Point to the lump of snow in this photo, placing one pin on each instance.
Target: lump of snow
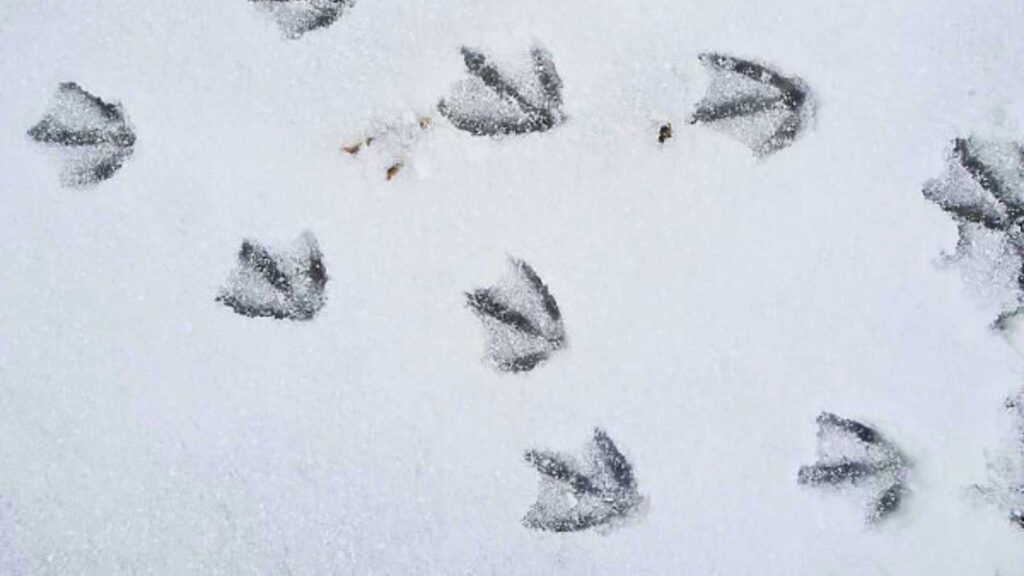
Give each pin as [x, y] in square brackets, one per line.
[390, 144]
[277, 284]
[753, 103]
[983, 191]
[580, 494]
[850, 453]
[92, 137]
[296, 17]
[495, 102]
[523, 322]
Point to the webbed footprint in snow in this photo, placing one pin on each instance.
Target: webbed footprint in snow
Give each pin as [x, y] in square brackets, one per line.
[753, 103]
[91, 137]
[852, 454]
[983, 191]
[296, 17]
[523, 323]
[581, 493]
[282, 284]
[494, 101]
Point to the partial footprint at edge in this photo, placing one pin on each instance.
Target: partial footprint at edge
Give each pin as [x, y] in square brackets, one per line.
[1005, 487]
[496, 101]
[297, 17]
[983, 192]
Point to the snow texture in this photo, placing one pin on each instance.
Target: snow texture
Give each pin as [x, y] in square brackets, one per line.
[92, 137]
[580, 495]
[715, 303]
[523, 323]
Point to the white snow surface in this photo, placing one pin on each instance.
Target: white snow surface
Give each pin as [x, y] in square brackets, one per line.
[714, 303]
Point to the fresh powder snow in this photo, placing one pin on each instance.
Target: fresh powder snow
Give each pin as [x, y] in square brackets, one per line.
[314, 287]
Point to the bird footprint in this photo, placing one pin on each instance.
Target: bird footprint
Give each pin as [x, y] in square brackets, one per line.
[983, 191]
[753, 103]
[851, 453]
[576, 495]
[522, 319]
[92, 137]
[277, 284]
[493, 102]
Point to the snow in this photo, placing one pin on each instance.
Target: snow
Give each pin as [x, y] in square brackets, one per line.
[714, 303]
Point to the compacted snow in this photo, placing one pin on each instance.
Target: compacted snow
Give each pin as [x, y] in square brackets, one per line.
[307, 321]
